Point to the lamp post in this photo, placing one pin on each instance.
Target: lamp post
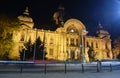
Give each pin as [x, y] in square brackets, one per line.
[35, 45]
[44, 53]
[44, 48]
[25, 44]
[113, 54]
[83, 45]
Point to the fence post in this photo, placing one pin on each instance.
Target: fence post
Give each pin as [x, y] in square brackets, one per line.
[110, 68]
[99, 66]
[21, 68]
[65, 69]
[45, 70]
[82, 68]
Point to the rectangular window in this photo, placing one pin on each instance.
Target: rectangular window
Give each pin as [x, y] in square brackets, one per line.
[87, 44]
[67, 41]
[77, 42]
[96, 45]
[72, 42]
[51, 41]
[92, 44]
[51, 52]
[106, 45]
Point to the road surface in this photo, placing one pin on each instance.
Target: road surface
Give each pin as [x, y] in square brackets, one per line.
[113, 74]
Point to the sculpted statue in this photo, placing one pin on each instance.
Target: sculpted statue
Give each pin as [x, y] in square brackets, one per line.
[58, 16]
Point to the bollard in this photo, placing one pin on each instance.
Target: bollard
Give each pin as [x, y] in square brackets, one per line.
[110, 68]
[65, 69]
[82, 68]
[45, 69]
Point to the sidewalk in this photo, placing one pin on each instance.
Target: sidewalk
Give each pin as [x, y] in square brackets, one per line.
[106, 74]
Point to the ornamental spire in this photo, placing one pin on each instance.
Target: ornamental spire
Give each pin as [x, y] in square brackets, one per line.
[26, 12]
[100, 26]
[58, 16]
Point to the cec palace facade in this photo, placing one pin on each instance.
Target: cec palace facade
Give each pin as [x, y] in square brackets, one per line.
[70, 41]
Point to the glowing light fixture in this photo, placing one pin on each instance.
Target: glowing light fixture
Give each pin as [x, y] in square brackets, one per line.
[72, 30]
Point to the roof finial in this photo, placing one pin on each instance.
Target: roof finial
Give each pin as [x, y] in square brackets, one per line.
[26, 12]
[100, 26]
[61, 7]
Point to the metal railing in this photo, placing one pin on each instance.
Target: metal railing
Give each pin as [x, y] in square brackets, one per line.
[63, 67]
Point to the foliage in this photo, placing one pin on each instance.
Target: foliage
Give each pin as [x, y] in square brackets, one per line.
[39, 49]
[38, 46]
[117, 42]
[8, 24]
[117, 48]
[118, 56]
[26, 52]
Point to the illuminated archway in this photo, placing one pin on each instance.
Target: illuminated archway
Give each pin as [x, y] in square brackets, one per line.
[74, 25]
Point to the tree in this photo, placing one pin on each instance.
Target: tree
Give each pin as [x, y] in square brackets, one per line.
[116, 51]
[40, 50]
[22, 54]
[8, 24]
[29, 50]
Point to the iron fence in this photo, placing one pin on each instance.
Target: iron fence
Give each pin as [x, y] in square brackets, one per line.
[63, 67]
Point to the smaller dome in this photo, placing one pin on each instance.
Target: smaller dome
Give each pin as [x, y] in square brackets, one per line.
[102, 33]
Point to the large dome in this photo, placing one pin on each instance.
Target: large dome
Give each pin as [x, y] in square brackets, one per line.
[25, 19]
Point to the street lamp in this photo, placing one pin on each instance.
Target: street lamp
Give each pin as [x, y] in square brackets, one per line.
[44, 48]
[35, 45]
[25, 41]
[83, 45]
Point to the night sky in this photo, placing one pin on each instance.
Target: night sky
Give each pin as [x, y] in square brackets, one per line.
[90, 12]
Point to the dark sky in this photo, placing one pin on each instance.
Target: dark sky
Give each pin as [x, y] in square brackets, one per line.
[90, 12]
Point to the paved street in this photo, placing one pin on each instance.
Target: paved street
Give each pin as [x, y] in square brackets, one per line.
[113, 74]
[58, 70]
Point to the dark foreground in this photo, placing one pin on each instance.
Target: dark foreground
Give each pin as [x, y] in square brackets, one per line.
[113, 74]
[109, 69]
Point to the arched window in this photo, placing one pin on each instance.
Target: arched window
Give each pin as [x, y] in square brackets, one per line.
[22, 37]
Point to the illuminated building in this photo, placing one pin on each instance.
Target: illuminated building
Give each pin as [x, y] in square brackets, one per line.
[68, 42]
